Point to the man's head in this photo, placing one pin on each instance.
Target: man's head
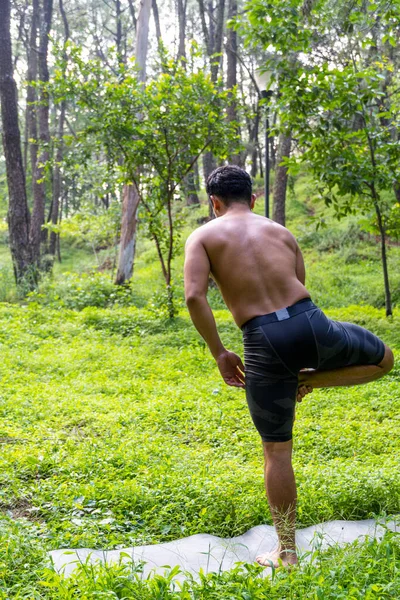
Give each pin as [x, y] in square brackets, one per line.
[227, 186]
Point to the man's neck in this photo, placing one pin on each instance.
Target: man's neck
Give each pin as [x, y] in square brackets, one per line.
[235, 209]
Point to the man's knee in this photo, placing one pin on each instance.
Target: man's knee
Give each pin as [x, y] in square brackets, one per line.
[278, 450]
[387, 361]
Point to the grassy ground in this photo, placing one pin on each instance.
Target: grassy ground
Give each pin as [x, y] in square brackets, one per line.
[117, 430]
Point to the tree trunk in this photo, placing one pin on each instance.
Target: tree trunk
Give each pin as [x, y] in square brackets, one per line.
[182, 29]
[219, 34]
[231, 71]
[396, 188]
[18, 215]
[156, 17]
[39, 200]
[31, 122]
[281, 177]
[255, 143]
[128, 234]
[213, 35]
[189, 184]
[388, 299]
[142, 37]
[131, 195]
[190, 189]
[54, 245]
[57, 181]
[118, 34]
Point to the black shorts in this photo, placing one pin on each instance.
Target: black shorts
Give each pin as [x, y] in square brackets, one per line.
[277, 345]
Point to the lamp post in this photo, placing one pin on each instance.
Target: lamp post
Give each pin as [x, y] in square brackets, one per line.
[264, 81]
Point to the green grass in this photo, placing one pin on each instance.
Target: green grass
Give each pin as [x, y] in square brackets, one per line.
[117, 430]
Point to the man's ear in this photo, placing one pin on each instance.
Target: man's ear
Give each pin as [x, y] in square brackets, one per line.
[214, 202]
[253, 201]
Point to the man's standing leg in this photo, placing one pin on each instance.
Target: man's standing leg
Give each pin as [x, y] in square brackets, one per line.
[280, 487]
[280, 482]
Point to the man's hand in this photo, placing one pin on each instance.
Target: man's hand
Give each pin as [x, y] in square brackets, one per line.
[304, 385]
[302, 391]
[231, 368]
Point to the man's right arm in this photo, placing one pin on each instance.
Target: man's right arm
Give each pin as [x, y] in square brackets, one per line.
[197, 271]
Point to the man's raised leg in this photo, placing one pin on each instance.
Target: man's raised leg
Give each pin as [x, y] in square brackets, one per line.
[280, 487]
[346, 376]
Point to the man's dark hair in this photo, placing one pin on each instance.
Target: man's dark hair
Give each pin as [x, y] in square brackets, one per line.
[230, 184]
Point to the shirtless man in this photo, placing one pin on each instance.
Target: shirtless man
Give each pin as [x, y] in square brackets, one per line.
[290, 346]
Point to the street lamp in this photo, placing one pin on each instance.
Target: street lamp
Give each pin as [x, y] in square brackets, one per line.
[263, 79]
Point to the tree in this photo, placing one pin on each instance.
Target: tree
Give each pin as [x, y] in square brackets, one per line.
[31, 95]
[156, 128]
[231, 69]
[131, 195]
[338, 102]
[212, 22]
[190, 181]
[55, 205]
[18, 215]
[281, 178]
[42, 111]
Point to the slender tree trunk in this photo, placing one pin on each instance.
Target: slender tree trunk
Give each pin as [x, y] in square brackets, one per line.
[219, 34]
[156, 17]
[189, 183]
[213, 35]
[118, 36]
[18, 215]
[231, 71]
[128, 234]
[281, 177]
[133, 14]
[192, 197]
[182, 29]
[142, 37]
[254, 143]
[388, 299]
[57, 180]
[396, 188]
[39, 201]
[54, 245]
[31, 95]
[131, 195]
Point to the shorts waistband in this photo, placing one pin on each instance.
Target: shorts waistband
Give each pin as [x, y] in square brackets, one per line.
[279, 315]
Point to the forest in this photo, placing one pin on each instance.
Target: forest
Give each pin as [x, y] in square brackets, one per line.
[116, 427]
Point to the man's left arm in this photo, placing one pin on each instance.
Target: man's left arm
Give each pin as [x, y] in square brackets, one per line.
[197, 272]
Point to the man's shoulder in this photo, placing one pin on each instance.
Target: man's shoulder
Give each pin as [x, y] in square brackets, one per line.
[281, 229]
[202, 233]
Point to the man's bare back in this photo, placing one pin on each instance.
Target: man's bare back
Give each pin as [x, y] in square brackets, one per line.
[255, 262]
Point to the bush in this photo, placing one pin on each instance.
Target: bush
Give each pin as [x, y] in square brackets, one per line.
[80, 290]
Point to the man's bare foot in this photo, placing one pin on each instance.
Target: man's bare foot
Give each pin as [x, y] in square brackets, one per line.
[278, 558]
[302, 391]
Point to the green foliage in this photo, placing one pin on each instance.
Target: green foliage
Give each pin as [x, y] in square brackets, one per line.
[342, 107]
[87, 229]
[151, 134]
[339, 97]
[117, 430]
[78, 291]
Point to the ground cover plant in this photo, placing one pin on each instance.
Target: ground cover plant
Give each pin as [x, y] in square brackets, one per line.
[117, 431]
